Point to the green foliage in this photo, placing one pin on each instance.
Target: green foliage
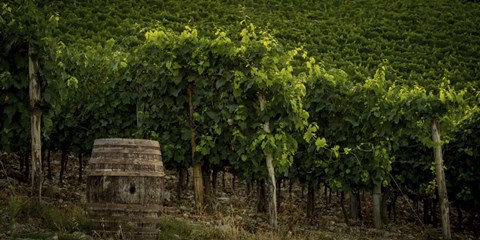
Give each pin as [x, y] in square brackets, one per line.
[24, 24]
[354, 109]
[356, 156]
[422, 40]
[464, 163]
[274, 77]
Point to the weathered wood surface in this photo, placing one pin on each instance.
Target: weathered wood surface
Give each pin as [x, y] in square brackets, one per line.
[271, 184]
[441, 184]
[377, 206]
[197, 166]
[35, 124]
[125, 187]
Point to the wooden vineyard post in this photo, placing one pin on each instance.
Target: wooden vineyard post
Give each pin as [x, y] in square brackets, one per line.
[35, 125]
[271, 185]
[197, 167]
[442, 189]
[377, 200]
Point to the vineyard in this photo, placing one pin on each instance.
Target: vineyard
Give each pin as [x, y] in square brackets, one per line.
[373, 103]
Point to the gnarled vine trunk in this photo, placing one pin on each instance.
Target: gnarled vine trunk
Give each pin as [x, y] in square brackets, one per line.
[80, 167]
[342, 205]
[310, 200]
[261, 203]
[63, 163]
[354, 205]
[182, 181]
[208, 191]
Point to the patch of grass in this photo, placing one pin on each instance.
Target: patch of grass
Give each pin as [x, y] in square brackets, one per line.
[64, 218]
[174, 229]
[68, 219]
[180, 229]
[68, 237]
[33, 235]
[14, 207]
[46, 235]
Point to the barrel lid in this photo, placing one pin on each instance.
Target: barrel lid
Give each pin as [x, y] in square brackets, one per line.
[126, 141]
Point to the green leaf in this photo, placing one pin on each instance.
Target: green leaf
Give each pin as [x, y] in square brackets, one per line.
[310, 133]
[320, 143]
[196, 116]
[219, 83]
[335, 151]
[217, 129]
[186, 134]
[213, 116]
[72, 82]
[47, 126]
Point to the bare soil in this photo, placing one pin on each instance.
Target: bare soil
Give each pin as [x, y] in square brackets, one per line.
[235, 206]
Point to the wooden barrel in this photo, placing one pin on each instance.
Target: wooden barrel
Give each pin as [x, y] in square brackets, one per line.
[125, 187]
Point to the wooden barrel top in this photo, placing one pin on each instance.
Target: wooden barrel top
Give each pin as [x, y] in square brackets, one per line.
[127, 142]
[126, 157]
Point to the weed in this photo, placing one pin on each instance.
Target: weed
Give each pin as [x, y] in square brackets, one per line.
[174, 229]
[68, 218]
[67, 237]
[14, 207]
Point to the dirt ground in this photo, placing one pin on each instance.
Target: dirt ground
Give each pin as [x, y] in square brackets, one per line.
[235, 206]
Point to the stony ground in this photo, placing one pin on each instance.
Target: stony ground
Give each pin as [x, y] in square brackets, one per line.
[235, 210]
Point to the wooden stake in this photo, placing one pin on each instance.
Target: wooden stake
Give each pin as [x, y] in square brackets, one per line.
[271, 185]
[197, 167]
[442, 188]
[377, 200]
[35, 125]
